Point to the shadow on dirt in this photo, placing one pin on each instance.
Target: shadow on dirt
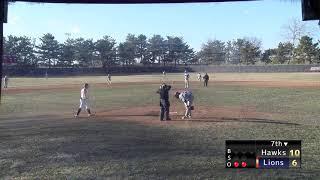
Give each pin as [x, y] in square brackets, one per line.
[208, 119]
[251, 120]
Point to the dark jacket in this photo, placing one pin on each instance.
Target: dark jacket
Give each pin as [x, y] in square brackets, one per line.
[164, 92]
[206, 77]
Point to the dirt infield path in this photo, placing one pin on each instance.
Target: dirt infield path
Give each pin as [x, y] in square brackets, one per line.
[150, 116]
[219, 115]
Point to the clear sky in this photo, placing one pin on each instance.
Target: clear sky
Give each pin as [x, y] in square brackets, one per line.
[195, 22]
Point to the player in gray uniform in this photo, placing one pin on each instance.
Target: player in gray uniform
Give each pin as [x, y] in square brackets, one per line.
[109, 79]
[186, 79]
[187, 98]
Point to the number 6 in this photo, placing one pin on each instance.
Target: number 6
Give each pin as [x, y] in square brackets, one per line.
[294, 163]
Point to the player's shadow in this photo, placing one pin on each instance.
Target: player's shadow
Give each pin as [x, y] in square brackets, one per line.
[153, 114]
[132, 115]
[211, 119]
[224, 119]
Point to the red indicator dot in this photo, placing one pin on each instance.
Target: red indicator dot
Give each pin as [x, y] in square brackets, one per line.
[236, 164]
[244, 164]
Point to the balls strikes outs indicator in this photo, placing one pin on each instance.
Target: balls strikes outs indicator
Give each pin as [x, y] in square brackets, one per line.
[237, 164]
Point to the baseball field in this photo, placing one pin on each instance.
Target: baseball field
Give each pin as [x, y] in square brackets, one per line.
[40, 138]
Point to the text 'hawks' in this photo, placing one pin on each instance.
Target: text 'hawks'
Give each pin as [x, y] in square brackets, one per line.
[265, 152]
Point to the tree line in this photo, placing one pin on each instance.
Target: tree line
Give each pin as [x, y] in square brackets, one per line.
[169, 50]
[103, 52]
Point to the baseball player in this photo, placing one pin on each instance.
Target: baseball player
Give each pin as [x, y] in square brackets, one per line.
[5, 81]
[109, 79]
[199, 77]
[164, 101]
[205, 80]
[186, 79]
[164, 76]
[164, 73]
[187, 98]
[84, 100]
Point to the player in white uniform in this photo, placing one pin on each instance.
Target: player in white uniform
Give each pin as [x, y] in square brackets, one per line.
[164, 73]
[164, 77]
[199, 77]
[84, 100]
[186, 79]
[5, 81]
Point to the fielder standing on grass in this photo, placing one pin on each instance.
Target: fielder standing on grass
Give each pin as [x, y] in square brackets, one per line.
[199, 77]
[164, 76]
[109, 79]
[5, 81]
[187, 98]
[205, 80]
[164, 73]
[84, 100]
[164, 101]
[186, 79]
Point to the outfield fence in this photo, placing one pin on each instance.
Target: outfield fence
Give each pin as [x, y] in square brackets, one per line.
[254, 68]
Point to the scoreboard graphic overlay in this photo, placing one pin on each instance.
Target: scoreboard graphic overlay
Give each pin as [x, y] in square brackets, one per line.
[263, 154]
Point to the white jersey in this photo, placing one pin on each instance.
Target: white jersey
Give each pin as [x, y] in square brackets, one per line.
[5, 81]
[164, 73]
[186, 76]
[199, 76]
[84, 93]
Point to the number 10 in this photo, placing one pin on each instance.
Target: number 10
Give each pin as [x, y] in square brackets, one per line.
[295, 153]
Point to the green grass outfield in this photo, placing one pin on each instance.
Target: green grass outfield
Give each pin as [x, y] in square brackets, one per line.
[25, 82]
[304, 77]
[39, 138]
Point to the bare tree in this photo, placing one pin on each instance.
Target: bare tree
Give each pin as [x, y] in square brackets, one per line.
[293, 31]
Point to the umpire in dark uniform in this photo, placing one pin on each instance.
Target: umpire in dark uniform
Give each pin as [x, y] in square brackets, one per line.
[164, 101]
[205, 80]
